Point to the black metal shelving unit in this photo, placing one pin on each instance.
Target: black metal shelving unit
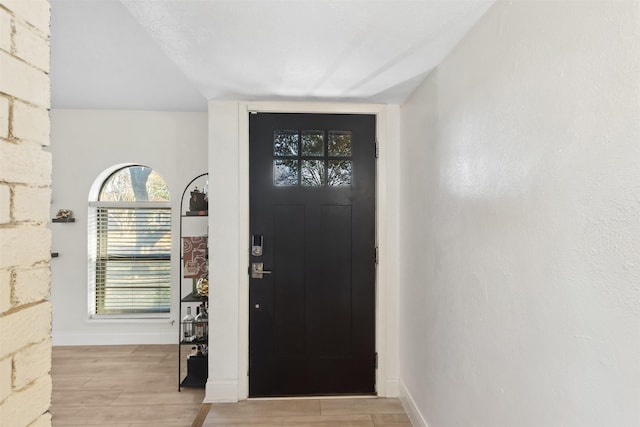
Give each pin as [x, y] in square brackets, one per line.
[197, 366]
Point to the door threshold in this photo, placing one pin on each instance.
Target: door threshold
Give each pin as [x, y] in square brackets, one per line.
[324, 397]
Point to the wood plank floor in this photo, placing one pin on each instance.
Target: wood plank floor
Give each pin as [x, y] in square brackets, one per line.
[136, 386]
[120, 386]
[367, 412]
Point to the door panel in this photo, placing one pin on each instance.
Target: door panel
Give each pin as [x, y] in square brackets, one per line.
[312, 198]
[289, 323]
[331, 287]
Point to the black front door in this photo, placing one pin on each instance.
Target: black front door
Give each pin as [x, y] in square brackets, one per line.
[312, 218]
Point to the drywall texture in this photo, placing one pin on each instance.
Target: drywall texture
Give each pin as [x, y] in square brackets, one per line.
[520, 222]
[85, 143]
[25, 178]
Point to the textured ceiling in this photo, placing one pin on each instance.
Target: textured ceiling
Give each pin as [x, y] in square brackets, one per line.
[176, 54]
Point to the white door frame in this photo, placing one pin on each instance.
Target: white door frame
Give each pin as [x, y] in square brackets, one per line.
[229, 137]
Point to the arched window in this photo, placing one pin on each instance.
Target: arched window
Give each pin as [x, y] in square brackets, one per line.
[130, 244]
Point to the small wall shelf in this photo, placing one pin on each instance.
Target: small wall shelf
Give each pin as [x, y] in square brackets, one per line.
[63, 220]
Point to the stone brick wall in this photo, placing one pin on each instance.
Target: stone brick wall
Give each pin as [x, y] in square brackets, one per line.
[25, 193]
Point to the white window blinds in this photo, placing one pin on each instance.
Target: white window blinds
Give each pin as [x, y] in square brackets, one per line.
[132, 260]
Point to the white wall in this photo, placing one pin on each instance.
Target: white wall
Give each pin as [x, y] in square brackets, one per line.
[84, 143]
[520, 222]
[225, 273]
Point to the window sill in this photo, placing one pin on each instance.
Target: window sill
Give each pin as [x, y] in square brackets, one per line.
[128, 318]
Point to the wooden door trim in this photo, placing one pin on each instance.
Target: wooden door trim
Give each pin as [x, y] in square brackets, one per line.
[387, 134]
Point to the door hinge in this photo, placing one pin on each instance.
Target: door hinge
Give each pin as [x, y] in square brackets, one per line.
[376, 255]
[375, 363]
[377, 150]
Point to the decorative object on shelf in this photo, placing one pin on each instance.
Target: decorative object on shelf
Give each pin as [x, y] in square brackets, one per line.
[202, 287]
[199, 350]
[194, 251]
[198, 200]
[201, 322]
[197, 370]
[64, 215]
[188, 326]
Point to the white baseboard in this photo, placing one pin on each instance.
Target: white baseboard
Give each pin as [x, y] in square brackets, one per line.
[392, 387]
[113, 339]
[410, 407]
[221, 391]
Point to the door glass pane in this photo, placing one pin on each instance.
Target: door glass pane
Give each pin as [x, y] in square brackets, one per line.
[285, 143]
[312, 143]
[339, 172]
[339, 143]
[285, 172]
[312, 173]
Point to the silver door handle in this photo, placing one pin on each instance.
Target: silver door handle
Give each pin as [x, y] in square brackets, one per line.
[257, 270]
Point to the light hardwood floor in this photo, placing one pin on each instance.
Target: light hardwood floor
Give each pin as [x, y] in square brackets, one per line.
[120, 386]
[134, 386]
[369, 412]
